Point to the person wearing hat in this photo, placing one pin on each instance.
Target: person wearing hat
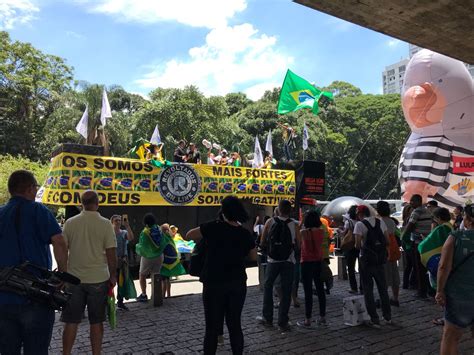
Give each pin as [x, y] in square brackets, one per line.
[371, 238]
[222, 158]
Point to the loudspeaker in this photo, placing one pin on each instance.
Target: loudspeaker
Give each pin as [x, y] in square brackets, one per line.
[78, 149]
[311, 178]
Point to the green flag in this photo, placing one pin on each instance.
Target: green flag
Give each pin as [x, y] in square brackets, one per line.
[297, 93]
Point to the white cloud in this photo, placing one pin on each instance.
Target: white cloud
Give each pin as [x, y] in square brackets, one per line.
[256, 92]
[14, 12]
[231, 58]
[74, 35]
[144, 96]
[393, 42]
[196, 13]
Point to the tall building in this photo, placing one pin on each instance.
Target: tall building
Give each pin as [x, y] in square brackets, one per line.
[392, 77]
[412, 49]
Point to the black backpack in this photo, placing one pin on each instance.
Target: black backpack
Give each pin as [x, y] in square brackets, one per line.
[279, 240]
[374, 250]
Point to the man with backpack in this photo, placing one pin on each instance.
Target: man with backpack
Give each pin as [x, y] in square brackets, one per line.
[371, 238]
[392, 275]
[279, 237]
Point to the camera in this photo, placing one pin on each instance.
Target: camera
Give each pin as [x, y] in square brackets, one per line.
[38, 284]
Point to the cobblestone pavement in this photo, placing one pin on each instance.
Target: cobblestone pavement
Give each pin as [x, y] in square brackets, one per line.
[178, 328]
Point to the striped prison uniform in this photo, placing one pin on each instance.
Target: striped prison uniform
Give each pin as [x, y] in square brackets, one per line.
[429, 159]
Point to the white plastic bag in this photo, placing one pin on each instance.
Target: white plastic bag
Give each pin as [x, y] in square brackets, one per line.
[354, 311]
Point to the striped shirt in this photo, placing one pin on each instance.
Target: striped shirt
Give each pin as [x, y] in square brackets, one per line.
[422, 219]
[429, 159]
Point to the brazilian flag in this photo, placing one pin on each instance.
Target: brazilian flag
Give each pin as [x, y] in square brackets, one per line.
[139, 150]
[171, 261]
[430, 248]
[297, 93]
[151, 242]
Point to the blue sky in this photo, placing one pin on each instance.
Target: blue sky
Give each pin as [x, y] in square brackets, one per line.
[220, 46]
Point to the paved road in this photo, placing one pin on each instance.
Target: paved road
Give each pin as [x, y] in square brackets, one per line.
[178, 327]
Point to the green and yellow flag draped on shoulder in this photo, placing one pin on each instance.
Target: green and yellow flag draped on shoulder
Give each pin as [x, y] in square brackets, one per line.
[297, 93]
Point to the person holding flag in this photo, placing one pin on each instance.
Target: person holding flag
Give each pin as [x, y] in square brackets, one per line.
[430, 248]
[289, 136]
[172, 266]
[154, 150]
[150, 247]
[455, 284]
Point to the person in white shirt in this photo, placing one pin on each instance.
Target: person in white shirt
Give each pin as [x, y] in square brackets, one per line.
[373, 256]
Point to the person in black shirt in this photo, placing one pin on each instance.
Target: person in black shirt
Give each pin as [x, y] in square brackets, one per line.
[179, 155]
[458, 217]
[224, 279]
[193, 155]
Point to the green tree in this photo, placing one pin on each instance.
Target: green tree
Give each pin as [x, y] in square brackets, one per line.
[31, 84]
[236, 102]
[181, 114]
[8, 164]
[372, 132]
[343, 89]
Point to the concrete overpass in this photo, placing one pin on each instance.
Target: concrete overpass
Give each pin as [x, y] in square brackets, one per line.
[444, 26]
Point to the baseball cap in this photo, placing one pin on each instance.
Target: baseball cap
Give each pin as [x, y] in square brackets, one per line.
[362, 208]
[173, 227]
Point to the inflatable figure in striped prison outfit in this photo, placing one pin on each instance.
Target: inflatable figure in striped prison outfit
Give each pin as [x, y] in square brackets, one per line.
[438, 104]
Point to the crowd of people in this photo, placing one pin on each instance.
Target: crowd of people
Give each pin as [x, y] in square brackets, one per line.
[426, 231]
[290, 251]
[217, 155]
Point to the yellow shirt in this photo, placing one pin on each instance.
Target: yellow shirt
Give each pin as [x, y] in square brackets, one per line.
[87, 236]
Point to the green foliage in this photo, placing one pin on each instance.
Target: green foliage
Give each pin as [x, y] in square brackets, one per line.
[31, 84]
[236, 102]
[343, 89]
[8, 164]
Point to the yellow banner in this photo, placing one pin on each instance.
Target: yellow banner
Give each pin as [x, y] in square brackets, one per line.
[121, 181]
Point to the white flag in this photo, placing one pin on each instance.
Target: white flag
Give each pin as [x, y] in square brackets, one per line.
[305, 136]
[155, 138]
[257, 155]
[82, 126]
[268, 146]
[105, 112]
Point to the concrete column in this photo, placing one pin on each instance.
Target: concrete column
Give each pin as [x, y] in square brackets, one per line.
[156, 290]
[341, 267]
